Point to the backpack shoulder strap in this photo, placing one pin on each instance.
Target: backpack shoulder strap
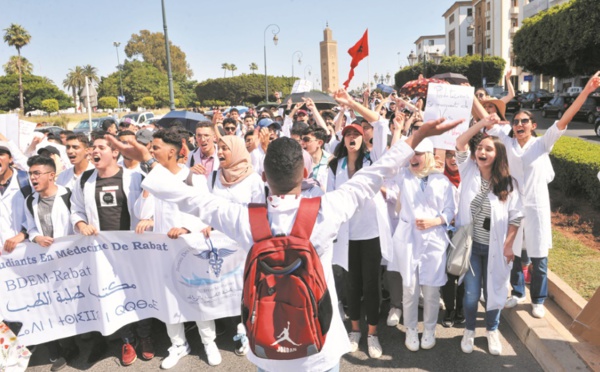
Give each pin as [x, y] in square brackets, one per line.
[306, 217]
[30, 203]
[192, 161]
[214, 179]
[23, 179]
[259, 223]
[85, 176]
[66, 197]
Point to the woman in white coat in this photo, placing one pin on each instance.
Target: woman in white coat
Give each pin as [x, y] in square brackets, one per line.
[489, 199]
[529, 165]
[420, 241]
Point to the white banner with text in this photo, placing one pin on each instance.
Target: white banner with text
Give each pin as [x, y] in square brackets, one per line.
[101, 283]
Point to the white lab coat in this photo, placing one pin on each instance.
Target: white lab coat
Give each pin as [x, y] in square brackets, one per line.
[61, 222]
[250, 190]
[68, 179]
[531, 167]
[501, 214]
[337, 207]
[83, 202]
[12, 213]
[422, 251]
[375, 206]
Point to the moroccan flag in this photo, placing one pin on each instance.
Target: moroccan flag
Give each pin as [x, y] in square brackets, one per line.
[359, 51]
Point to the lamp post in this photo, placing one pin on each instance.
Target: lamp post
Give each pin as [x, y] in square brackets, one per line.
[387, 78]
[169, 74]
[116, 45]
[309, 68]
[299, 60]
[275, 39]
[412, 58]
[399, 63]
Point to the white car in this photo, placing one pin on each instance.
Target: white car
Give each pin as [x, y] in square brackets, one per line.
[36, 113]
[138, 118]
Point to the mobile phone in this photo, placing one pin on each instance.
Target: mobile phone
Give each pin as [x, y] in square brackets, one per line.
[486, 223]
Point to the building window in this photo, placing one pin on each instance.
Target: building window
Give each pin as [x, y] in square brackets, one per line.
[470, 50]
[469, 31]
[488, 25]
[470, 12]
[451, 19]
[487, 6]
[430, 42]
[451, 43]
[489, 43]
[515, 22]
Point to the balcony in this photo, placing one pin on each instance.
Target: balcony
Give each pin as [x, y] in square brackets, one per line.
[488, 33]
[487, 14]
[514, 11]
[513, 30]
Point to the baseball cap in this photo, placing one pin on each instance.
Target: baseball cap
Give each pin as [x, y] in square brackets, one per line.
[4, 149]
[358, 128]
[302, 112]
[49, 149]
[266, 122]
[143, 136]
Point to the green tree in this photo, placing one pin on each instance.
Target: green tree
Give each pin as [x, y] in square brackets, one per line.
[50, 105]
[225, 67]
[253, 67]
[35, 90]
[148, 102]
[232, 68]
[12, 66]
[151, 47]
[108, 103]
[91, 73]
[563, 41]
[15, 35]
[242, 88]
[74, 81]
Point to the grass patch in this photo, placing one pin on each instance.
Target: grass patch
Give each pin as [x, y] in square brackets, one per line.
[575, 263]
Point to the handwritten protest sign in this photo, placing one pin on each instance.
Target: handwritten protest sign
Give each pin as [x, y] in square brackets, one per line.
[100, 283]
[451, 102]
[18, 131]
[302, 86]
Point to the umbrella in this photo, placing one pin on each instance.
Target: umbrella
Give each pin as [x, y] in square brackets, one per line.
[452, 78]
[241, 109]
[322, 101]
[418, 88]
[386, 88]
[186, 119]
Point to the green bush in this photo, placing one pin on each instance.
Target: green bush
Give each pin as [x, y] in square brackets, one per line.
[50, 105]
[576, 165]
[108, 103]
[148, 102]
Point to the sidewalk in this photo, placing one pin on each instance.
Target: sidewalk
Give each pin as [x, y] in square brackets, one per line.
[549, 339]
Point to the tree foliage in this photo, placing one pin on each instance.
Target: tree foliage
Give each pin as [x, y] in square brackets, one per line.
[243, 88]
[108, 103]
[12, 66]
[469, 66]
[151, 47]
[17, 36]
[50, 105]
[35, 90]
[148, 102]
[563, 41]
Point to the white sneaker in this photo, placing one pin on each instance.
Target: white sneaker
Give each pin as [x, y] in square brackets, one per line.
[494, 344]
[176, 352]
[428, 339]
[514, 301]
[342, 312]
[538, 310]
[412, 339]
[374, 346]
[354, 340]
[241, 341]
[467, 342]
[213, 354]
[394, 317]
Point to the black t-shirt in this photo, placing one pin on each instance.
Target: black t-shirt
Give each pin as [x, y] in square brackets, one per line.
[111, 202]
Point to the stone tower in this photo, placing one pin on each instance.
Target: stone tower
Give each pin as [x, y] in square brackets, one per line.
[329, 62]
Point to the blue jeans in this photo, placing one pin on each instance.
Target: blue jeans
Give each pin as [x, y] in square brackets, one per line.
[334, 369]
[539, 279]
[475, 278]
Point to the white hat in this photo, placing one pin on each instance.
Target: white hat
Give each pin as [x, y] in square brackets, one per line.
[425, 146]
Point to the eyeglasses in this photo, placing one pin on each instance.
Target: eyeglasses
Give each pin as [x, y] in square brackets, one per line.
[480, 95]
[520, 121]
[307, 139]
[36, 174]
[416, 127]
[229, 129]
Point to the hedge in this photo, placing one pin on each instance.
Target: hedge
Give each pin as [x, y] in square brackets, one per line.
[576, 164]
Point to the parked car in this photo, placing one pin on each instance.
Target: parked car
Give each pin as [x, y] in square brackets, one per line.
[138, 117]
[589, 110]
[535, 100]
[49, 129]
[574, 91]
[84, 126]
[597, 127]
[513, 105]
[557, 106]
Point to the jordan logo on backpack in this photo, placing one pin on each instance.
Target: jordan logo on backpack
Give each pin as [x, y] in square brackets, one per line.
[286, 305]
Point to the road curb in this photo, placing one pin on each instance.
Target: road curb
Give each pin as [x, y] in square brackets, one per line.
[565, 296]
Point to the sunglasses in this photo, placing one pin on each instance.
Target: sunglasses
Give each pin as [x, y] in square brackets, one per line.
[229, 129]
[306, 139]
[480, 95]
[516, 122]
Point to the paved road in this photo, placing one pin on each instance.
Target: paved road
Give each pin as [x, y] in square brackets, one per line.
[445, 356]
[577, 128]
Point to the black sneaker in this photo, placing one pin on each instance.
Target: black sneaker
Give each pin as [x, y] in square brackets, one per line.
[448, 320]
[460, 316]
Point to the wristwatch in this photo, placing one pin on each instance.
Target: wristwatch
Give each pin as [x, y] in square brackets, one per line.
[146, 166]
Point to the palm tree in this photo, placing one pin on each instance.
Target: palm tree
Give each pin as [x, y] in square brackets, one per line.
[253, 67]
[74, 81]
[225, 67]
[91, 72]
[17, 36]
[12, 66]
[232, 68]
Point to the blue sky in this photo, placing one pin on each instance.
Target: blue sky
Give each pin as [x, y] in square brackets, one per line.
[67, 33]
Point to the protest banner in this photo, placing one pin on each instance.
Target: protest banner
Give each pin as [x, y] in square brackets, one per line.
[451, 102]
[101, 283]
[18, 131]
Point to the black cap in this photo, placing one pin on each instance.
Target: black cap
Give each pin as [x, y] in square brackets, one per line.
[49, 149]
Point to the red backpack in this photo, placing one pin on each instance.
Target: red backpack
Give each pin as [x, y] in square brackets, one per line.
[286, 305]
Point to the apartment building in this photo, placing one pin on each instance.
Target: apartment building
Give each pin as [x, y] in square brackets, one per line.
[459, 36]
[426, 45]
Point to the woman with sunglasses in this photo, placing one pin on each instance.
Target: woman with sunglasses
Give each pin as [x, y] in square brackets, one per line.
[527, 157]
[488, 199]
[363, 241]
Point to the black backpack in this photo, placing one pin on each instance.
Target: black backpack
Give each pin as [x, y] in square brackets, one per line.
[65, 197]
[24, 185]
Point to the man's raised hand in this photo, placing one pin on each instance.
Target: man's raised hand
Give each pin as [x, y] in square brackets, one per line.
[132, 149]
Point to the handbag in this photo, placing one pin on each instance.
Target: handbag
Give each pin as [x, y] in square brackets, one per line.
[459, 249]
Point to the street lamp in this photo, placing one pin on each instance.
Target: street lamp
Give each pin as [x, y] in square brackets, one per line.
[299, 60]
[399, 63]
[309, 68]
[412, 58]
[275, 39]
[116, 44]
[169, 74]
[387, 78]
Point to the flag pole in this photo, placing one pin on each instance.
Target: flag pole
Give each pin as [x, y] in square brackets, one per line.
[369, 71]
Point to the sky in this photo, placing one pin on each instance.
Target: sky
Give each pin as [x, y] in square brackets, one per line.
[69, 33]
